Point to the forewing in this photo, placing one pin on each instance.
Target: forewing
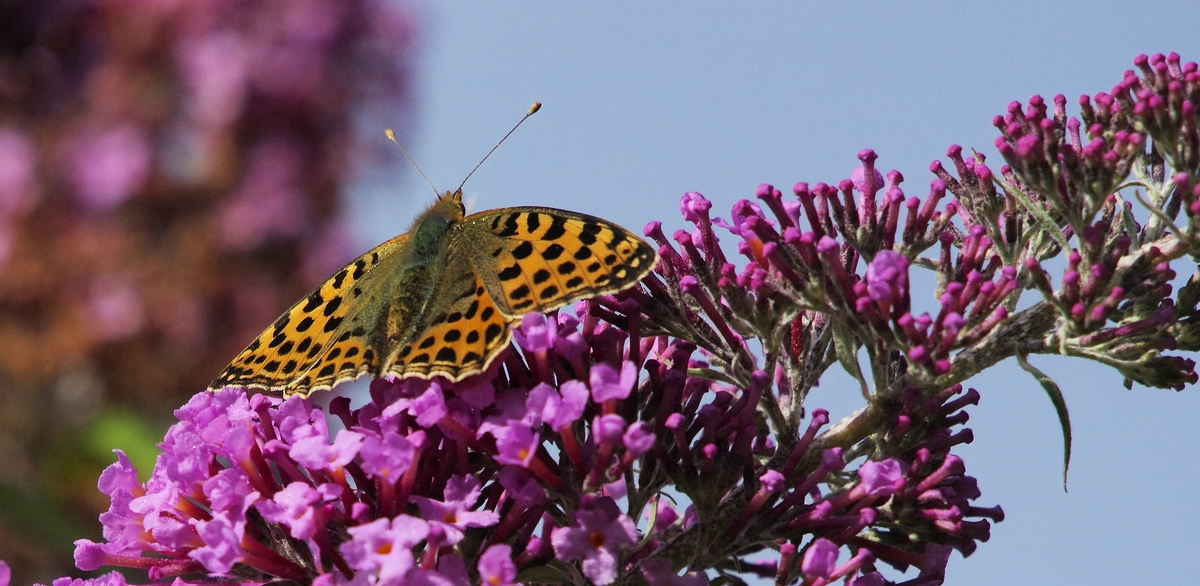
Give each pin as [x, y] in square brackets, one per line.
[538, 259]
[459, 332]
[324, 338]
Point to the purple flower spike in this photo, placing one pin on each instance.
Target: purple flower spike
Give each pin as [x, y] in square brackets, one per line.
[820, 559]
[382, 549]
[536, 334]
[694, 207]
[871, 579]
[607, 383]
[881, 478]
[313, 452]
[516, 443]
[697, 381]
[598, 533]
[389, 456]
[609, 429]
[639, 439]
[292, 508]
[887, 277]
[453, 514]
[496, 567]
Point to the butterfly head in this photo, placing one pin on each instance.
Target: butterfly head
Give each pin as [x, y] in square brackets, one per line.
[449, 205]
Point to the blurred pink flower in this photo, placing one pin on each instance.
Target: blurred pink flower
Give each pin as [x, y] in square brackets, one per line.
[215, 70]
[17, 162]
[268, 202]
[116, 308]
[108, 166]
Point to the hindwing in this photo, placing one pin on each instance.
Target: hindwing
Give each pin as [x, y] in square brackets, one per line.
[326, 337]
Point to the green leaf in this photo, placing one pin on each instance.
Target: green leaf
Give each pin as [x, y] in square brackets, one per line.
[1060, 408]
[32, 516]
[847, 353]
[128, 431]
[539, 575]
[710, 374]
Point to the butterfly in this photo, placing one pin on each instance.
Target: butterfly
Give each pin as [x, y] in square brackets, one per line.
[439, 300]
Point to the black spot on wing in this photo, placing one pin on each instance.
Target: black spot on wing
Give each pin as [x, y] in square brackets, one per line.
[332, 306]
[510, 226]
[314, 301]
[492, 332]
[557, 228]
[339, 278]
[587, 234]
[510, 273]
[522, 250]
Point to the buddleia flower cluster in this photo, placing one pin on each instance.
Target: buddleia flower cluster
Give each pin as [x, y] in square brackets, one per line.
[660, 436]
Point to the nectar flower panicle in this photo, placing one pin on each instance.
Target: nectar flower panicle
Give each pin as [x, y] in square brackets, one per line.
[693, 386]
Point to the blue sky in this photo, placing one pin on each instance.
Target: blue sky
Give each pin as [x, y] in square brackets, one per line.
[643, 103]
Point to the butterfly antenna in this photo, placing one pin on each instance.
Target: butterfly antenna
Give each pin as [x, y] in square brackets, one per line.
[392, 137]
[532, 110]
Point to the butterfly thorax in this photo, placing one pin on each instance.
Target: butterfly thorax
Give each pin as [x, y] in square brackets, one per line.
[430, 230]
[425, 254]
